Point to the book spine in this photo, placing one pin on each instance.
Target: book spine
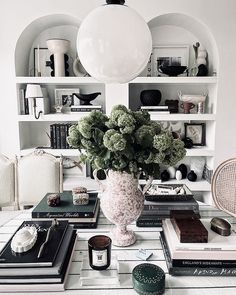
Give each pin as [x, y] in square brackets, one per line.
[159, 208]
[149, 223]
[67, 126]
[51, 137]
[166, 198]
[26, 106]
[63, 136]
[200, 271]
[84, 109]
[204, 263]
[58, 136]
[62, 215]
[54, 136]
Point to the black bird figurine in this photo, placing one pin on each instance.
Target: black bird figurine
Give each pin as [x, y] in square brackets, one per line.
[86, 98]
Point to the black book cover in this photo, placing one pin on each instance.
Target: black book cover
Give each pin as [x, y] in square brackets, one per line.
[67, 133]
[54, 137]
[66, 209]
[194, 271]
[26, 105]
[58, 136]
[63, 136]
[8, 258]
[51, 137]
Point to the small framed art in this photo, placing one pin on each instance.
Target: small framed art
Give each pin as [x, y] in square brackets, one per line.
[42, 62]
[64, 98]
[196, 132]
[168, 55]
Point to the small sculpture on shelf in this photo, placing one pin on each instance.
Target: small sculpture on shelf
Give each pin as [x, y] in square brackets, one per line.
[85, 99]
[200, 65]
[80, 196]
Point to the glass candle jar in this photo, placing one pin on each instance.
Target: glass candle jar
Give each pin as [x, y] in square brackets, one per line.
[99, 248]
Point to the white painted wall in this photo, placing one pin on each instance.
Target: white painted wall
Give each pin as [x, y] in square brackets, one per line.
[218, 15]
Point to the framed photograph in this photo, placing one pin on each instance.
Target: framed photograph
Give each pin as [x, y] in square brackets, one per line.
[197, 132]
[64, 98]
[169, 55]
[42, 61]
[74, 168]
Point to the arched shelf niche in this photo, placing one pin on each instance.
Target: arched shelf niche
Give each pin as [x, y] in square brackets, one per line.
[176, 28]
[37, 32]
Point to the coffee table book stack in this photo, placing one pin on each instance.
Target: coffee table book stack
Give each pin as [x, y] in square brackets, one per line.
[217, 257]
[80, 216]
[159, 206]
[25, 272]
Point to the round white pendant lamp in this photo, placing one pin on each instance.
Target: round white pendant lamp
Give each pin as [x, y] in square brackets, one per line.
[114, 43]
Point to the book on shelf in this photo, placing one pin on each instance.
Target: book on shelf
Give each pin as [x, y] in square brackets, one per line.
[85, 108]
[194, 270]
[151, 221]
[29, 259]
[165, 108]
[41, 283]
[66, 209]
[58, 135]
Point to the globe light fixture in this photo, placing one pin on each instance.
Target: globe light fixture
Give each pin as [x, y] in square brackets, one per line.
[114, 43]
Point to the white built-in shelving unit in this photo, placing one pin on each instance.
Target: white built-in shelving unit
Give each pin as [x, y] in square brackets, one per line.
[34, 133]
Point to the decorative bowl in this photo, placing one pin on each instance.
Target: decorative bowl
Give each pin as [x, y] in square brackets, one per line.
[150, 97]
[172, 70]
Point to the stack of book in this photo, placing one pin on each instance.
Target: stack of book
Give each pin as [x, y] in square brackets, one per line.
[158, 207]
[156, 109]
[25, 272]
[81, 216]
[85, 108]
[217, 257]
[58, 135]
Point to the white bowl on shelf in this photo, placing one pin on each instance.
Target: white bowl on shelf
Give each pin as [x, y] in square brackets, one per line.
[194, 98]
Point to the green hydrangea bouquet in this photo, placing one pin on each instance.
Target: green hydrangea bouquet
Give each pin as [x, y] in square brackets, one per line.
[127, 141]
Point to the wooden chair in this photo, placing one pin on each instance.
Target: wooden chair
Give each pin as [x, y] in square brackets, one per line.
[7, 181]
[224, 186]
[37, 174]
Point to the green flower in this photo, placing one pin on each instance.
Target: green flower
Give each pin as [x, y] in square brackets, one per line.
[126, 122]
[163, 141]
[144, 135]
[114, 141]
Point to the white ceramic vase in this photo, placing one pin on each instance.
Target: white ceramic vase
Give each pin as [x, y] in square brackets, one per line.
[121, 202]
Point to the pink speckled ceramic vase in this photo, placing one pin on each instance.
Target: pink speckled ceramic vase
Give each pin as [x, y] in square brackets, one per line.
[121, 202]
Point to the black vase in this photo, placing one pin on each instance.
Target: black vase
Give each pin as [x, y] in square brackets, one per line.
[192, 176]
[165, 175]
[188, 143]
[183, 169]
[202, 70]
[150, 97]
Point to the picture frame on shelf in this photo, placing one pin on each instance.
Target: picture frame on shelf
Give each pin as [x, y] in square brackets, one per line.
[168, 55]
[73, 168]
[64, 98]
[41, 62]
[196, 132]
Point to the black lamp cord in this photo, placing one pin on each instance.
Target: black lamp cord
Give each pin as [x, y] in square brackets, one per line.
[35, 106]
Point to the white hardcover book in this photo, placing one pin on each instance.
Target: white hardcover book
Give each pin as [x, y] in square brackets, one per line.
[194, 255]
[154, 107]
[216, 242]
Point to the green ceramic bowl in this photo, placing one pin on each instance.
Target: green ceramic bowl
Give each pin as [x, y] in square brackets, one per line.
[148, 279]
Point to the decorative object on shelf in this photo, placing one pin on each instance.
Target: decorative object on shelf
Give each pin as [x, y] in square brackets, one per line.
[184, 170]
[80, 196]
[150, 97]
[24, 239]
[144, 254]
[34, 92]
[105, 46]
[99, 248]
[196, 132]
[78, 69]
[187, 106]
[149, 279]
[41, 58]
[59, 47]
[66, 99]
[201, 108]
[193, 98]
[202, 70]
[172, 59]
[172, 71]
[171, 170]
[207, 173]
[200, 64]
[173, 105]
[192, 176]
[188, 143]
[178, 175]
[85, 99]
[58, 108]
[197, 164]
[165, 175]
[126, 144]
[221, 226]
[101, 175]
[53, 200]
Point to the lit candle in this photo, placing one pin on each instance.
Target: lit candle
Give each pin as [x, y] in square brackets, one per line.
[38, 61]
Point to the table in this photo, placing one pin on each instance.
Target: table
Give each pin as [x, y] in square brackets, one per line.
[147, 238]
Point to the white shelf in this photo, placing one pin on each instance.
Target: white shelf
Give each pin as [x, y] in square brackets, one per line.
[55, 152]
[200, 152]
[53, 117]
[201, 185]
[57, 80]
[182, 117]
[176, 80]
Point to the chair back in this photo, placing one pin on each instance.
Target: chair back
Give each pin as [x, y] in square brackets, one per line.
[37, 174]
[224, 186]
[7, 181]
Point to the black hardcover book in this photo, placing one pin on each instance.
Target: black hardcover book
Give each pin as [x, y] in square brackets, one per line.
[51, 137]
[63, 136]
[44, 278]
[194, 271]
[67, 126]
[26, 106]
[148, 223]
[58, 136]
[54, 137]
[29, 259]
[66, 209]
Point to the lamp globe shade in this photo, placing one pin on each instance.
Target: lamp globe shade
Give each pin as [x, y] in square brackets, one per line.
[114, 43]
